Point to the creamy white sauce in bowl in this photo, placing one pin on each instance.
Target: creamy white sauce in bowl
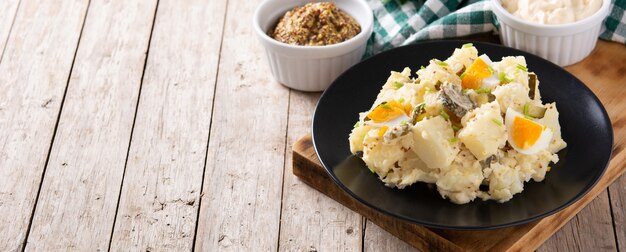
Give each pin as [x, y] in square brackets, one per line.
[552, 11]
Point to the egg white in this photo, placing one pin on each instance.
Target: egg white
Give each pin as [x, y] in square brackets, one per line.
[541, 143]
[492, 81]
[390, 123]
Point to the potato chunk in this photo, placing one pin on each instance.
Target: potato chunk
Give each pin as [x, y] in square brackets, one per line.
[484, 131]
[432, 142]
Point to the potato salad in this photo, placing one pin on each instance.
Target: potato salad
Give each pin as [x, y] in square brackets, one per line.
[474, 127]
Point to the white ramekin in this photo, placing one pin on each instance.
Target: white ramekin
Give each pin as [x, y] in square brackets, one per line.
[563, 44]
[311, 68]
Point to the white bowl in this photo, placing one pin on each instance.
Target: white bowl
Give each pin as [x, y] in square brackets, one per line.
[311, 68]
[563, 44]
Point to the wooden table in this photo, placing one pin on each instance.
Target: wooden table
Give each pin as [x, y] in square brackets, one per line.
[156, 125]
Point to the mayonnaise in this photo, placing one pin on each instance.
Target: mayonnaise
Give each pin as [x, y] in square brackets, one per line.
[552, 11]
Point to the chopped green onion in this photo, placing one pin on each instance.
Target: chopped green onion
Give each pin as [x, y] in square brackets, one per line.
[462, 75]
[468, 45]
[401, 100]
[385, 106]
[526, 109]
[523, 68]
[453, 140]
[357, 124]
[504, 78]
[483, 90]
[422, 67]
[441, 63]
[496, 121]
[397, 85]
[444, 115]
[491, 69]
[403, 123]
[371, 170]
[455, 128]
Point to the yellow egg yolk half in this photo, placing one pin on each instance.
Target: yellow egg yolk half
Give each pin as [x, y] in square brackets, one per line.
[475, 74]
[389, 111]
[525, 132]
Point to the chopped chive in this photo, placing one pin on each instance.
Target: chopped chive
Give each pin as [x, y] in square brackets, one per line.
[385, 106]
[496, 121]
[401, 100]
[523, 68]
[397, 85]
[444, 115]
[453, 140]
[526, 109]
[357, 124]
[468, 45]
[455, 128]
[441, 63]
[491, 69]
[483, 90]
[529, 117]
[504, 78]
[371, 170]
[403, 123]
[462, 75]
[422, 67]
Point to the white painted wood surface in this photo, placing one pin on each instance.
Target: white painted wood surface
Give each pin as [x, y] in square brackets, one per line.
[8, 9]
[204, 164]
[618, 206]
[590, 230]
[160, 196]
[309, 219]
[87, 158]
[240, 206]
[377, 239]
[33, 76]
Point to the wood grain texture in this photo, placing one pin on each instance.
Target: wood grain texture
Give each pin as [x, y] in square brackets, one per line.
[618, 202]
[8, 9]
[605, 74]
[240, 206]
[310, 220]
[583, 231]
[87, 158]
[33, 76]
[377, 239]
[159, 200]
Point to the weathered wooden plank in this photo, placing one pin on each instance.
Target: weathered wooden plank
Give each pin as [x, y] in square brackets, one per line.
[240, 206]
[617, 192]
[33, 75]
[377, 239]
[159, 201]
[590, 230]
[8, 9]
[80, 189]
[310, 220]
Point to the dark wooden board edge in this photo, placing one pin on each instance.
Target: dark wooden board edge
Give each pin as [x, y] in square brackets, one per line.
[527, 237]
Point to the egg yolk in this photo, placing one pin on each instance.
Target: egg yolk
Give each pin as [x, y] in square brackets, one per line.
[475, 74]
[525, 132]
[389, 111]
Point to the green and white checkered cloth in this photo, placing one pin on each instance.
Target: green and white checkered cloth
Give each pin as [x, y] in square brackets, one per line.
[402, 22]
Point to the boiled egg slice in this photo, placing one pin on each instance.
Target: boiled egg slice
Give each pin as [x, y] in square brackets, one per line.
[480, 74]
[389, 114]
[526, 135]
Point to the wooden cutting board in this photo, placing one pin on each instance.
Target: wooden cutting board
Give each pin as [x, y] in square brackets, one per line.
[604, 72]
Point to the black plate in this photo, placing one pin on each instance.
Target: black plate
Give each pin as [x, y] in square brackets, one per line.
[585, 125]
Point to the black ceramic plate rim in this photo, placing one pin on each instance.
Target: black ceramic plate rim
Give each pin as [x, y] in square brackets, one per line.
[450, 227]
